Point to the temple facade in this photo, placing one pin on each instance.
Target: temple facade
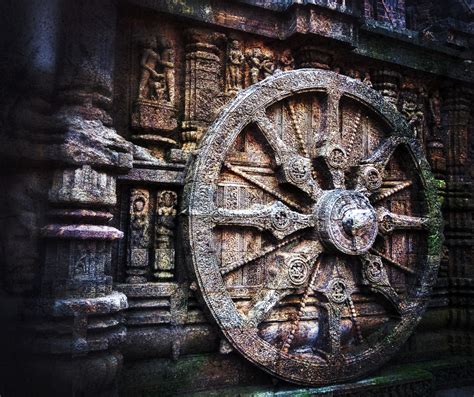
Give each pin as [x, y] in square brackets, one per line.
[244, 197]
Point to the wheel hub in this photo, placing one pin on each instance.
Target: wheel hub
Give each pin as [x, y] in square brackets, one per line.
[346, 221]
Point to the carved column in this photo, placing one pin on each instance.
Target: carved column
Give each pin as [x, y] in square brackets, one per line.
[203, 84]
[459, 204]
[74, 325]
[456, 109]
[388, 83]
[310, 56]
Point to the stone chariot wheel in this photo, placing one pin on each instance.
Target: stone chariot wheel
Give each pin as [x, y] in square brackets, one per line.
[313, 226]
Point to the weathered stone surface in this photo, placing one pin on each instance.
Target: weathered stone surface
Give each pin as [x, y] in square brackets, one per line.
[145, 142]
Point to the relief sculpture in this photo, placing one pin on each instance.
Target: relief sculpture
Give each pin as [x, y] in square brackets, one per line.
[157, 77]
[235, 62]
[154, 107]
[164, 235]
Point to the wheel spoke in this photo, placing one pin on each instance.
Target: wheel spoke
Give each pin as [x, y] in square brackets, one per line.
[265, 125]
[375, 277]
[334, 313]
[292, 272]
[392, 262]
[370, 170]
[254, 257]
[263, 303]
[296, 127]
[391, 190]
[277, 218]
[296, 169]
[331, 126]
[332, 153]
[382, 154]
[262, 186]
[389, 221]
[296, 322]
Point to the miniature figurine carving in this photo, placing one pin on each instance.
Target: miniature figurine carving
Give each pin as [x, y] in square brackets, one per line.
[157, 77]
[435, 110]
[165, 225]
[411, 110]
[260, 65]
[268, 66]
[168, 67]
[367, 80]
[287, 61]
[235, 60]
[149, 77]
[138, 237]
[255, 60]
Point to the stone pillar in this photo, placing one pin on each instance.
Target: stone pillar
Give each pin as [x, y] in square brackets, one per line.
[388, 83]
[456, 113]
[311, 56]
[203, 84]
[72, 325]
[456, 123]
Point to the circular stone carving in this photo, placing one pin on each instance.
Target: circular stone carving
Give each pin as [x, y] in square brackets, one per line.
[297, 271]
[337, 290]
[337, 157]
[298, 170]
[280, 219]
[347, 221]
[255, 194]
[372, 178]
[387, 225]
[374, 271]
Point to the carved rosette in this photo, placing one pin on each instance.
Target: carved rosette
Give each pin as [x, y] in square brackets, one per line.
[313, 226]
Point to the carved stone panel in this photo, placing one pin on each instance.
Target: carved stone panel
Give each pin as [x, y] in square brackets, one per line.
[312, 226]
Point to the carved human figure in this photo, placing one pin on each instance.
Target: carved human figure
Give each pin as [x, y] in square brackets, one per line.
[367, 80]
[268, 66]
[411, 110]
[139, 217]
[287, 61]
[159, 88]
[235, 60]
[149, 76]
[167, 201]
[255, 59]
[435, 110]
[167, 62]
[165, 225]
